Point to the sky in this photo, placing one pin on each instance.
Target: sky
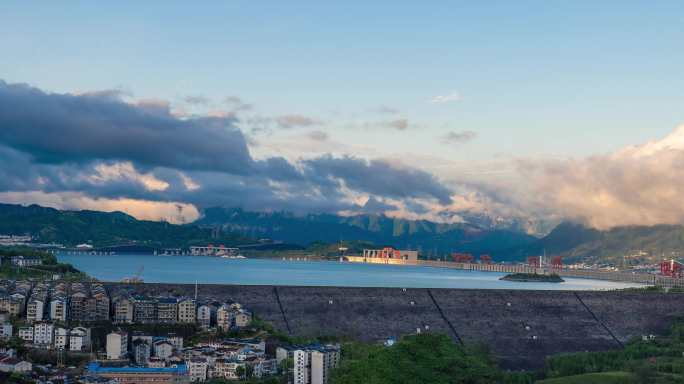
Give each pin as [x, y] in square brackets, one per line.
[456, 108]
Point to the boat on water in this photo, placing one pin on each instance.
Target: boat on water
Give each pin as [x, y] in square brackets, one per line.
[233, 257]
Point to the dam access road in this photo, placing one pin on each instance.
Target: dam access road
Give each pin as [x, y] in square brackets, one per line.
[520, 327]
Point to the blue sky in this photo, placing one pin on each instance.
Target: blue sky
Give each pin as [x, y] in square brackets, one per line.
[559, 78]
[550, 79]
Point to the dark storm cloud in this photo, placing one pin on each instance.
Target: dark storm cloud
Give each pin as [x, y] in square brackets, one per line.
[377, 177]
[59, 128]
[100, 146]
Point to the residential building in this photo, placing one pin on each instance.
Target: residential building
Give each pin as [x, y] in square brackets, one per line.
[163, 349]
[225, 317]
[187, 313]
[26, 261]
[43, 333]
[313, 363]
[14, 304]
[136, 375]
[101, 303]
[141, 351]
[26, 333]
[176, 341]
[204, 316]
[197, 369]
[58, 309]
[5, 331]
[77, 303]
[167, 310]
[226, 369]
[117, 345]
[35, 309]
[79, 339]
[243, 318]
[123, 310]
[144, 310]
[61, 338]
[156, 362]
[12, 364]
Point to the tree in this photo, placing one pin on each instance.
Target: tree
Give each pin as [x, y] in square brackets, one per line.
[425, 358]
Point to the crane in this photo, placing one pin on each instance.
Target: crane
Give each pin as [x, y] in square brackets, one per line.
[137, 278]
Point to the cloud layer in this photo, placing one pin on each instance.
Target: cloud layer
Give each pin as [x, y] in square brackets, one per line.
[639, 185]
[95, 149]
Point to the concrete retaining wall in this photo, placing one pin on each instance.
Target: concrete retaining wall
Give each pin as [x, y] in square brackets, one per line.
[520, 327]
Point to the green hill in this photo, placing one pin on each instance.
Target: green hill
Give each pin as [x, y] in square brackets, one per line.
[102, 229]
[619, 246]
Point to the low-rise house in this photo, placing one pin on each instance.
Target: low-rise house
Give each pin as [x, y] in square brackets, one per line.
[26, 333]
[243, 318]
[226, 369]
[12, 364]
[156, 362]
[13, 304]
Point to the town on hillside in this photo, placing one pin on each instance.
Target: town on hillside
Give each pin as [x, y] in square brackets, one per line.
[81, 332]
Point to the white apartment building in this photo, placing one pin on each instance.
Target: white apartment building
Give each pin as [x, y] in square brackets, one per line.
[79, 339]
[117, 345]
[197, 369]
[58, 309]
[5, 331]
[34, 310]
[61, 338]
[43, 333]
[26, 334]
[204, 316]
[312, 364]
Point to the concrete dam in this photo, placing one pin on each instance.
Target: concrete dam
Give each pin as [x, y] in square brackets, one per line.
[520, 327]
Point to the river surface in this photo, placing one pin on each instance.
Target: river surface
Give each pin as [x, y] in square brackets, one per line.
[214, 270]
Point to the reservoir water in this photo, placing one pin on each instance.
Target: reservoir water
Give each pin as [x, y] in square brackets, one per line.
[214, 270]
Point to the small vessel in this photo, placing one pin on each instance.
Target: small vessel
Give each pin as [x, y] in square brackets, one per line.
[233, 257]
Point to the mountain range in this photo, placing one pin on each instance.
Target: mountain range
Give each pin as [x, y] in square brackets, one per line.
[235, 227]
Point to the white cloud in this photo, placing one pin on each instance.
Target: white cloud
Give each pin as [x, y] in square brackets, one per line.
[442, 99]
[126, 171]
